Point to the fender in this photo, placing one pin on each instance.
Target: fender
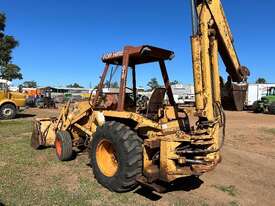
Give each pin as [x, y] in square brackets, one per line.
[8, 101]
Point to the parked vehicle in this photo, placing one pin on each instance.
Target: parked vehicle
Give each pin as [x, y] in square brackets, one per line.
[256, 92]
[267, 103]
[45, 100]
[10, 102]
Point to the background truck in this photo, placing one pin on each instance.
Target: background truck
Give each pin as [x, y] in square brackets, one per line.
[256, 92]
[10, 102]
[267, 103]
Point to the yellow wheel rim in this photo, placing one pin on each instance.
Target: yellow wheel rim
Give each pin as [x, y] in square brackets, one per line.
[106, 158]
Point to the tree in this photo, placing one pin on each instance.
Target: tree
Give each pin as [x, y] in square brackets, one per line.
[261, 81]
[74, 85]
[2, 25]
[153, 83]
[174, 82]
[8, 70]
[29, 84]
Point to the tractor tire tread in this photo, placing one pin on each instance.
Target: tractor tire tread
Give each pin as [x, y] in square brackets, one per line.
[128, 147]
[66, 140]
[10, 106]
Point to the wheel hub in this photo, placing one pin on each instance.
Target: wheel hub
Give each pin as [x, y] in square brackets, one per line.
[58, 147]
[7, 112]
[106, 158]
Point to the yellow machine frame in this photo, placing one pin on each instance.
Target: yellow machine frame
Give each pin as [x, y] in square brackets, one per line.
[171, 147]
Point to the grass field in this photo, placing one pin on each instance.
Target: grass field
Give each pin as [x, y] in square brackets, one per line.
[29, 177]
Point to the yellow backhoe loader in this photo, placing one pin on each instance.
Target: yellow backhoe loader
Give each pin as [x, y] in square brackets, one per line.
[130, 144]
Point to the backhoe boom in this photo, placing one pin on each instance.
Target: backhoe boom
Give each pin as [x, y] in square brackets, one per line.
[212, 36]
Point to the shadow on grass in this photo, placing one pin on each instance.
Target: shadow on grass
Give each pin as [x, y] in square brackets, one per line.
[186, 184]
[22, 116]
[148, 194]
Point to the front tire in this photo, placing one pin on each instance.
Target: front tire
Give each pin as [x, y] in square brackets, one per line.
[271, 108]
[7, 111]
[256, 108]
[63, 146]
[116, 157]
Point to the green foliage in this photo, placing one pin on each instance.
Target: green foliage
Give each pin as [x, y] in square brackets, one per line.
[261, 81]
[29, 84]
[174, 82]
[7, 44]
[74, 85]
[8, 70]
[153, 83]
[269, 130]
[231, 190]
[2, 22]
[233, 203]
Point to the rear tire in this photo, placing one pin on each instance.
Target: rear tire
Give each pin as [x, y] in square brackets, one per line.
[271, 108]
[117, 172]
[7, 111]
[63, 146]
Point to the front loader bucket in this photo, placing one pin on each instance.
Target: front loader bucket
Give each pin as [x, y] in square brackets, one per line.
[43, 134]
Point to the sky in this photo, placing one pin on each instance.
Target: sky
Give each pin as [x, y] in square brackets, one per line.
[62, 41]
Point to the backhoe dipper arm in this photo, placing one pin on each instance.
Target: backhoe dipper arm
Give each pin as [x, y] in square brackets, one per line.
[225, 42]
[212, 36]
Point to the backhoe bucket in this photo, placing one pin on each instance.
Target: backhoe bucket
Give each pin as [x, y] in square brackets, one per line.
[43, 134]
[234, 96]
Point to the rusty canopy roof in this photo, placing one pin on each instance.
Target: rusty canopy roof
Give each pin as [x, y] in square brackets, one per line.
[138, 55]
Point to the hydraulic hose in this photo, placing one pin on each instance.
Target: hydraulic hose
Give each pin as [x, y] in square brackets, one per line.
[209, 151]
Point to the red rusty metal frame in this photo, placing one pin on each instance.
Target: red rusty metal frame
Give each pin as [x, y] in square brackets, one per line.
[134, 83]
[169, 90]
[101, 84]
[130, 57]
[123, 81]
[139, 55]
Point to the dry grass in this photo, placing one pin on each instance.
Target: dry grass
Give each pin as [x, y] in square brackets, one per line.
[14, 127]
[269, 131]
[29, 177]
[230, 190]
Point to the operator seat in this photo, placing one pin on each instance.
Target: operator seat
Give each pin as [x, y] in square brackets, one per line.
[155, 103]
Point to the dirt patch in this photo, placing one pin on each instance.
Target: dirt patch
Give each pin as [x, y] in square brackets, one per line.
[31, 113]
[248, 164]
